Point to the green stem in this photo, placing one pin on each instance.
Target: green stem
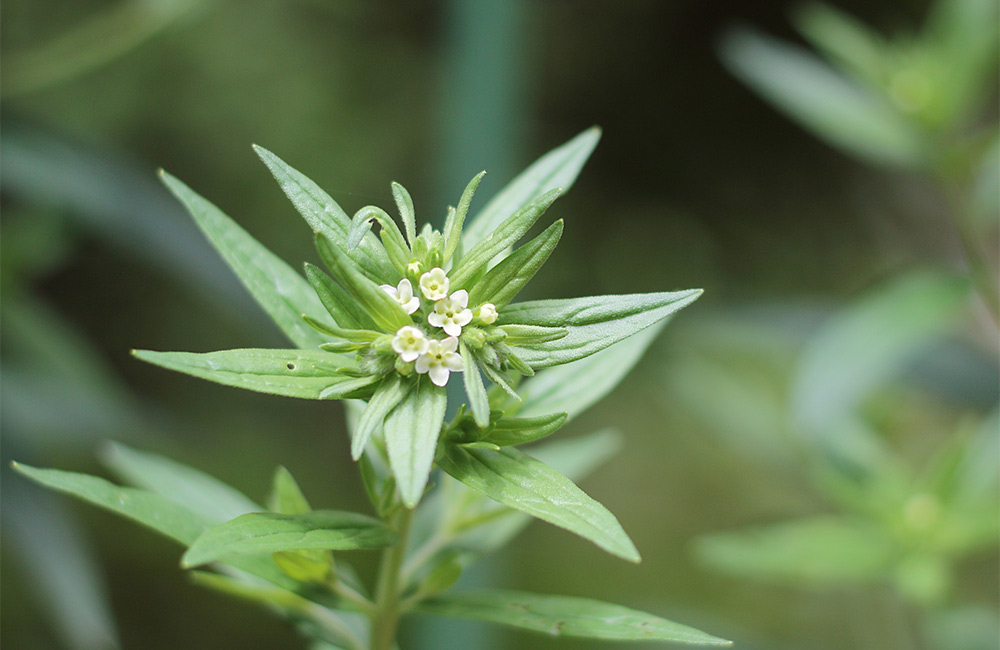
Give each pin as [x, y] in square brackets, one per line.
[385, 617]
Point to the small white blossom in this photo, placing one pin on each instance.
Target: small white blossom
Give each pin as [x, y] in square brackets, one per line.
[434, 284]
[403, 295]
[410, 342]
[440, 360]
[487, 313]
[451, 314]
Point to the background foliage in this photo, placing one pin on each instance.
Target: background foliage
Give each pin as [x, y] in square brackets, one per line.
[697, 182]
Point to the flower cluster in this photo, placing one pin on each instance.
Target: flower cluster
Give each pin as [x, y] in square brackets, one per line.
[435, 357]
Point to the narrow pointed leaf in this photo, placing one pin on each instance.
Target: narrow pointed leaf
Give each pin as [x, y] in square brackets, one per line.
[572, 388]
[411, 433]
[406, 212]
[474, 389]
[532, 334]
[327, 218]
[291, 373]
[392, 239]
[453, 227]
[186, 486]
[506, 279]
[851, 44]
[344, 310]
[388, 314]
[279, 290]
[556, 169]
[594, 323]
[390, 392]
[494, 243]
[517, 431]
[286, 496]
[519, 481]
[565, 616]
[258, 533]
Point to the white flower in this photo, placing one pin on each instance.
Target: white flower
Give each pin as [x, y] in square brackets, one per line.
[410, 343]
[403, 295]
[440, 360]
[487, 313]
[451, 313]
[434, 284]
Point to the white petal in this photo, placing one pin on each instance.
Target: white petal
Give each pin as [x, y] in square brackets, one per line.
[389, 289]
[423, 364]
[461, 297]
[463, 318]
[409, 355]
[452, 328]
[413, 305]
[454, 362]
[439, 375]
[449, 344]
[405, 290]
[436, 319]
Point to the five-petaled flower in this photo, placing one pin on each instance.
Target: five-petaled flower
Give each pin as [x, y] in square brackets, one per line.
[434, 284]
[403, 295]
[451, 314]
[440, 360]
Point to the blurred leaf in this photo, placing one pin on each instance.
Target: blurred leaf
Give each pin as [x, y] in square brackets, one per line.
[261, 594]
[817, 551]
[328, 219]
[963, 34]
[206, 495]
[257, 533]
[594, 323]
[514, 479]
[557, 169]
[411, 434]
[868, 343]
[967, 627]
[286, 495]
[843, 113]
[986, 186]
[844, 39]
[497, 241]
[503, 282]
[565, 616]
[292, 373]
[574, 387]
[280, 291]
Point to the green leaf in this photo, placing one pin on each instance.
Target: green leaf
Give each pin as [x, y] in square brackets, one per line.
[286, 495]
[572, 388]
[594, 323]
[327, 218]
[261, 594]
[186, 486]
[152, 510]
[556, 169]
[565, 616]
[405, 205]
[844, 39]
[844, 113]
[258, 533]
[276, 287]
[517, 431]
[517, 480]
[388, 314]
[390, 392]
[344, 310]
[506, 279]
[817, 551]
[395, 246]
[531, 334]
[291, 373]
[474, 389]
[411, 433]
[453, 225]
[507, 233]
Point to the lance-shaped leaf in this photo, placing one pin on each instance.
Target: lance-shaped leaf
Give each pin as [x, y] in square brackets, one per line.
[395, 246]
[565, 616]
[519, 481]
[390, 392]
[506, 234]
[291, 373]
[556, 169]
[453, 225]
[532, 334]
[186, 486]
[344, 310]
[848, 42]
[517, 431]
[574, 387]
[327, 218]
[506, 279]
[405, 205]
[258, 533]
[286, 496]
[388, 314]
[474, 388]
[411, 434]
[279, 290]
[594, 323]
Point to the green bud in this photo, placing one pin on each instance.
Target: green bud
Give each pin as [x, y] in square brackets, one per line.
[383, 344]
[403, 367]
[474, 337]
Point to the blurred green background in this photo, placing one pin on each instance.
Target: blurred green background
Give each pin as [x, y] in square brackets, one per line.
[696, 183]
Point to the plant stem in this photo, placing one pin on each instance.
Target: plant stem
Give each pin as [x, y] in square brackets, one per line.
[385, 618]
